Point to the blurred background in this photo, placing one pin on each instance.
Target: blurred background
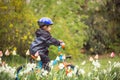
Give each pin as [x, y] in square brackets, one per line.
[86, 26]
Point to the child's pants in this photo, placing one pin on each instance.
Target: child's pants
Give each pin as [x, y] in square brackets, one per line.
[45, 61]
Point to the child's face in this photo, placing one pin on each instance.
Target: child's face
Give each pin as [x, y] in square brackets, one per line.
[47, 28]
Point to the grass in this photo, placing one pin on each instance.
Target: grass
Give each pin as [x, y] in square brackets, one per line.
[14, 60]
[104, 60]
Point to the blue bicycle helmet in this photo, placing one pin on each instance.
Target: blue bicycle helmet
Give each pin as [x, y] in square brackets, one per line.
[45, 21]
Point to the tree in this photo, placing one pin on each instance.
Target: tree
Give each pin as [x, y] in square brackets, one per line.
[16, 20]
[104, 27]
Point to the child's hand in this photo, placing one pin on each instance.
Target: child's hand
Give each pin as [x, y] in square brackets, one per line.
[62, 45]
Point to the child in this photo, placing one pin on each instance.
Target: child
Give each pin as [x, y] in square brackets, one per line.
[43, 40]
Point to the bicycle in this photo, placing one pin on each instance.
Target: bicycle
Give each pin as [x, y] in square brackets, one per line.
[60, 60]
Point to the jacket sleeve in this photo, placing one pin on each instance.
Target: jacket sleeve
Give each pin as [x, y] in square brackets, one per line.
[50, 40]
[53, 41]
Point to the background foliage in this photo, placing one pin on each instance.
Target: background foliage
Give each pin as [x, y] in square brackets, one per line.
[89, 24]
